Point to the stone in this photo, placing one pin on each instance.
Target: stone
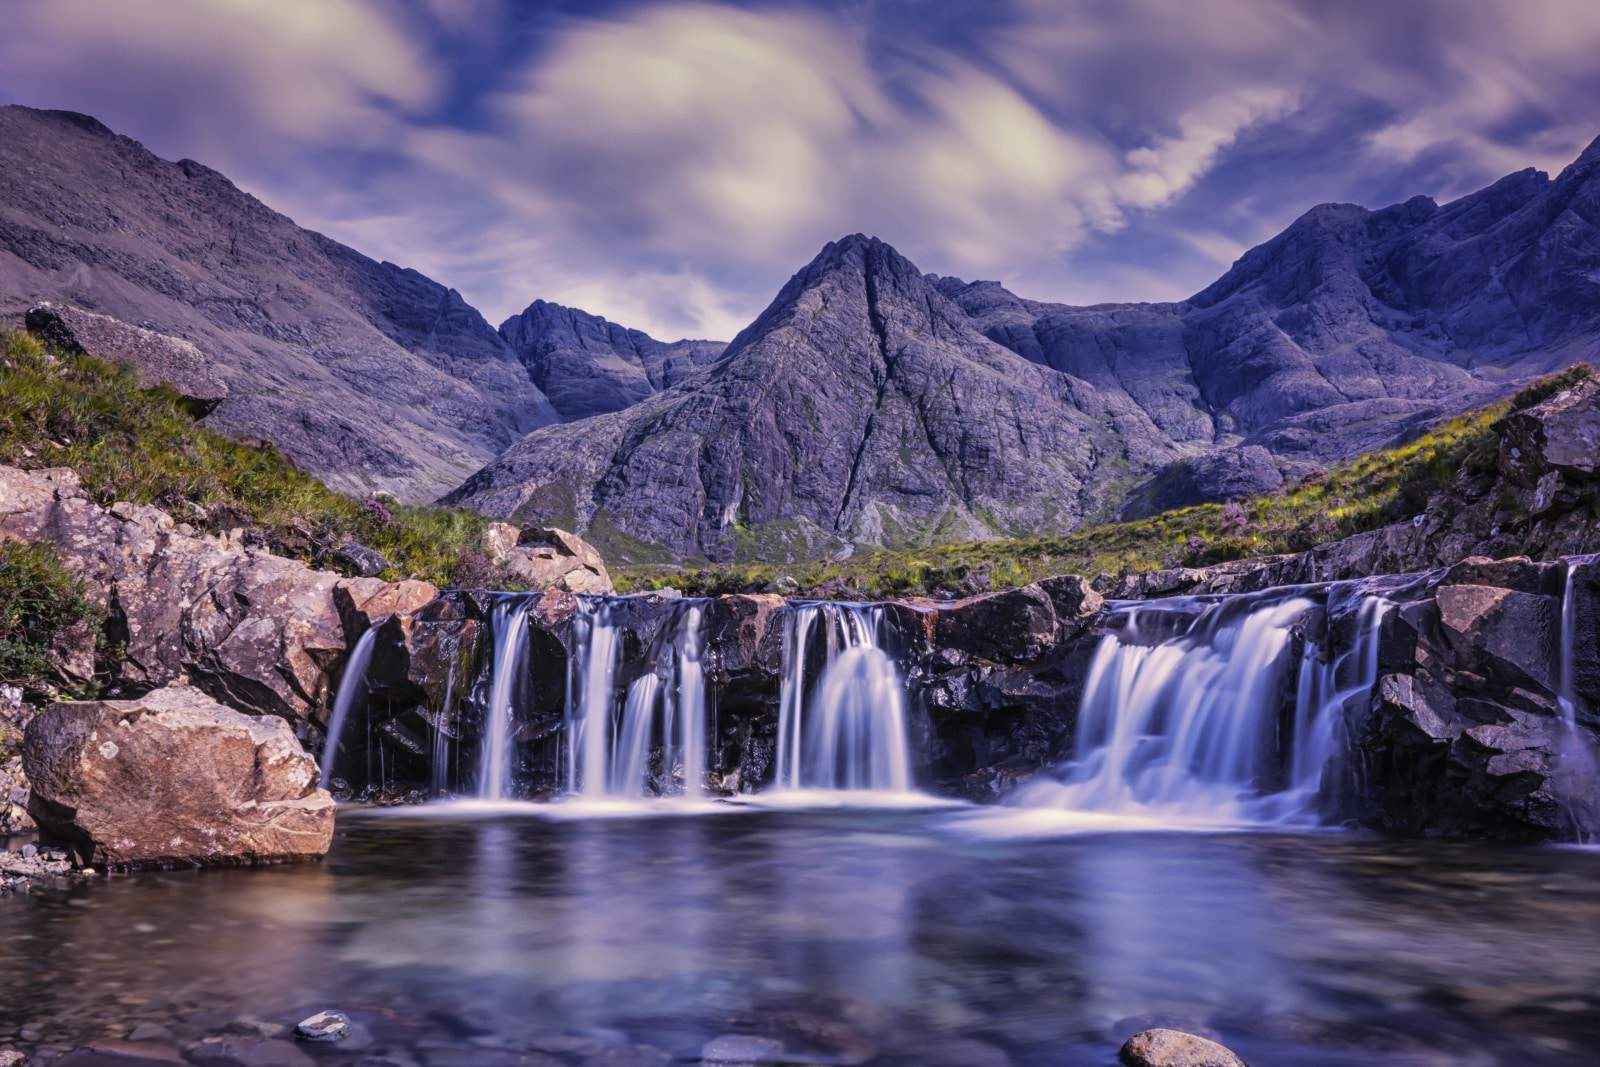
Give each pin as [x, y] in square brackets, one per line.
[173, 777]
[742, 1050]
[362, 602]
[1174, 1048]
[359, 561]
[241, 1051]
[121, 1054]
[1513, 636]
[257, 631]
[155, 358]
[548, 558]
[12, 1058]
[327, 1025]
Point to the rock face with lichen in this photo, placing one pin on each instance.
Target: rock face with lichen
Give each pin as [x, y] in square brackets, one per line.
[173, 778]
[155, 358]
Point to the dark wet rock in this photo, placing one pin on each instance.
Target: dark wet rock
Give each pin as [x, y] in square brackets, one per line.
[241, 1051]
[589, 366]
[327, 1025]
[33, 866]
[358, 561]
[104, 786]
[121, 1054]
[1174, 1048]
[155, 358]
[368, 374]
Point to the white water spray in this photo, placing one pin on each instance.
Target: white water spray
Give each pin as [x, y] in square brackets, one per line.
[509, 626]
[1186, 723]
[849, 731]
[1579, 770]
[352, 685]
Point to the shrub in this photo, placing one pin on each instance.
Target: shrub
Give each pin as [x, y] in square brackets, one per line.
[39, 601]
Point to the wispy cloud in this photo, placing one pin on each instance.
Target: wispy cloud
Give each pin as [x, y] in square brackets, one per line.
[669, 163]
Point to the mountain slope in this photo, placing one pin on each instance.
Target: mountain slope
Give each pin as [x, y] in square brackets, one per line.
[368, 374]
[862, 406]
[587, 365]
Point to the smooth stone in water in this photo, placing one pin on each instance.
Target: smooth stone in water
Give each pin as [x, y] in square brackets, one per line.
[323, 1026]
[740, 1050]
[1174, 1048]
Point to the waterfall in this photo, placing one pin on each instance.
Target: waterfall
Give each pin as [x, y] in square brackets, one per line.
[849, 730]
[439, 778]
[663, 709]
[1579, 770]
[509, 628]
[352, 684]
[1182, 714]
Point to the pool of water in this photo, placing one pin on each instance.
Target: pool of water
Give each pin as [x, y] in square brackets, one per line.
[889, 936]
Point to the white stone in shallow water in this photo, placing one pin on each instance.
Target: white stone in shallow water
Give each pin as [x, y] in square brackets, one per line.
[323, 1026]
[737, 1050]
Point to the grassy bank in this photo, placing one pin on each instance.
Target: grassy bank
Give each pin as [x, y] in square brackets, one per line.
[139, 445]
[1362, 494]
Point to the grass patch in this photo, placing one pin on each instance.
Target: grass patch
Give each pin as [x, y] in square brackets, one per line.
[142, 446]
[1360, 495]
[40, 601]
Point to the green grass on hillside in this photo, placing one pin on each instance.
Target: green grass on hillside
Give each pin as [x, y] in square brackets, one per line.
[1362, 494]
[139, 445]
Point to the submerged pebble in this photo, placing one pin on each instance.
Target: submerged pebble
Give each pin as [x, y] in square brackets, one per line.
[323, 1026]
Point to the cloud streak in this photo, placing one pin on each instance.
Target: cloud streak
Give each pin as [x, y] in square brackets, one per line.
[668, 164]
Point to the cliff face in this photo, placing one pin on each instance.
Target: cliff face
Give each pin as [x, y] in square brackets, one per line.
[587, 365]
[370, 375]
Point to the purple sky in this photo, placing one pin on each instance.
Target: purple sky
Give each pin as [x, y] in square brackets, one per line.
[669, 164]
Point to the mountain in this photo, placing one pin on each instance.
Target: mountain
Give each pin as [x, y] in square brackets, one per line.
[861, 406]
[368, 374]
[589, 366]
[870, 404]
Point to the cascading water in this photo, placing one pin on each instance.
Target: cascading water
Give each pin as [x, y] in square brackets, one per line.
[1182, 714]
[509, 629]
[352, 684]
[849, 730]
[663, 709]
[1579, 772]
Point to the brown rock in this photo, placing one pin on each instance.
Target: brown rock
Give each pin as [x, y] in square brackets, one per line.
[363, 601]
[548, 558]
[155, 358]
[255, 630]
[1174, 1048]
[173, 778]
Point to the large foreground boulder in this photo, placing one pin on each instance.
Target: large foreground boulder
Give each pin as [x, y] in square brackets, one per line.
[173, 778]
[545, 558]
[155, 358]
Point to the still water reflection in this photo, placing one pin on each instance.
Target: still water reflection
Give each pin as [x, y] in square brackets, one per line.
[892, 937]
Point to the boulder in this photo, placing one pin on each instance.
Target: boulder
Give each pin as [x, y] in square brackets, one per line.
[1174, 1048]
[173, 778]
[548, 558]
[1560, 435]
[363, 601]
[359, 561]
[154, 358]
[1502, 633]
[258, 631]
